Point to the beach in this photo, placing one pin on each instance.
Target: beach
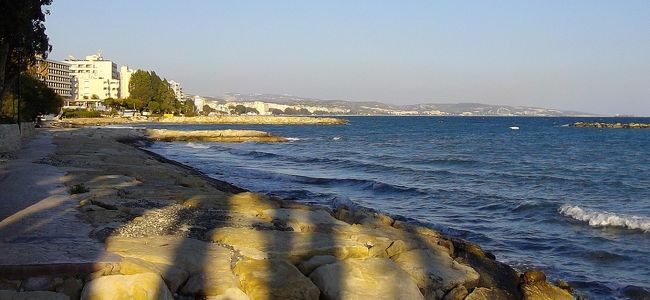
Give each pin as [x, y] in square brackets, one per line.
[171, 231]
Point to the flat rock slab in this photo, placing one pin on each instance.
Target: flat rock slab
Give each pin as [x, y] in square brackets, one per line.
[208, 264]
[227, 135]
[360, 279]
[543, 291]
[274, 279]
[301, 219]
[145, 286]
[435, 272]
[295, 246]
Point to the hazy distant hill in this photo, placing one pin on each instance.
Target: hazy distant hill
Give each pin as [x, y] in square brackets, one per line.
[379, 108]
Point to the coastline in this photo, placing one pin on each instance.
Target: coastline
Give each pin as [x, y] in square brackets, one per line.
[229, 120]
[154, 198]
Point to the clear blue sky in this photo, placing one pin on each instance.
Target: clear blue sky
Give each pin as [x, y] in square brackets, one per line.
[587, 55]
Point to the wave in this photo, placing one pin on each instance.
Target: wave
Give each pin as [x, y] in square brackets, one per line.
[603, 218]
[197, 145]
[292, 139]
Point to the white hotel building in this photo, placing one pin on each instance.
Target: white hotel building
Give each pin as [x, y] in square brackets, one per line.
[93, 79]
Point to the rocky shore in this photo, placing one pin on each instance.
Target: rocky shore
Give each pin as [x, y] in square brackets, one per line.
[610, 125]
[228, 135]
[269, 120]
[182, 235]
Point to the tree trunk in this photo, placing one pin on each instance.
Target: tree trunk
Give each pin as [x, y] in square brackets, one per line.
[4, 56]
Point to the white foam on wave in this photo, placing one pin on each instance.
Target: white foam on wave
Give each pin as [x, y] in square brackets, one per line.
[293, 139]
[604, 218]
[336, 138]
[197, 146]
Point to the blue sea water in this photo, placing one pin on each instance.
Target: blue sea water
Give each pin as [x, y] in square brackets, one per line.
[574, 202]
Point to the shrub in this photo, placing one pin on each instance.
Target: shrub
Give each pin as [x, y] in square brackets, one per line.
[81, 114]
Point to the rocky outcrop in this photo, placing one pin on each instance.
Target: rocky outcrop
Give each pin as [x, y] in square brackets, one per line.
[255, 120]
[435, 272]
[610, 125]
[149, 286]
[274, 279]
[535, 287]
[372, 278]
[227, 136]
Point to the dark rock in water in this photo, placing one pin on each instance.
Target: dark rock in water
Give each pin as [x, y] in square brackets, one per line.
[635, 293]
[610, 125]
[534, 276]
[493, 274]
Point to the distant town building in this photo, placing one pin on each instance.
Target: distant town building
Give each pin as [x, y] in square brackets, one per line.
[93, 79]
[56, 75]
[125, 78]
[199, 102]
[178, 90]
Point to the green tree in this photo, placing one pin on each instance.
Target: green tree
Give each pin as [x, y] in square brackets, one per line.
[188, 109]
[276, 111]
[36, 98]
[22, 38]
[140, 87]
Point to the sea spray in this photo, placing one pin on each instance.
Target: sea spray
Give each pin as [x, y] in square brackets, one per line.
[604, 218]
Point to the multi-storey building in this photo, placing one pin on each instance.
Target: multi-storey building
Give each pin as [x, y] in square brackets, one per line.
[56, 75]
[125, 78]
[93, 79]
[178, 90]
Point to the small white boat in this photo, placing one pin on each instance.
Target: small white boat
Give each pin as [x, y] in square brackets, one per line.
[514, 127]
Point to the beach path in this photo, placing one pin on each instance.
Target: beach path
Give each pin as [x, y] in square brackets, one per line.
[40, 228]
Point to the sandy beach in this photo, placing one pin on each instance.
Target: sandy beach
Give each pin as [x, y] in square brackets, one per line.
[170, 231]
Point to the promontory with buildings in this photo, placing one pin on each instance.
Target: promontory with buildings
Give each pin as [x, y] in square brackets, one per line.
[87, 84]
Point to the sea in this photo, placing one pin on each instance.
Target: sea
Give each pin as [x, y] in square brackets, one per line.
[573, 202]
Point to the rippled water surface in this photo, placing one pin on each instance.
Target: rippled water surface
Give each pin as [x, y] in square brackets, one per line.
[574, 202]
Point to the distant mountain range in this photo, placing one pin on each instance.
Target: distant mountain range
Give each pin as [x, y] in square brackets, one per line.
[379, 108]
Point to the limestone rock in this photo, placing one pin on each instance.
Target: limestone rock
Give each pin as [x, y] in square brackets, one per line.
[457, 293]
[534, 276]
[207, 263]
[308, 266]
[13, 295]
[137, 287]
[301, 219]
[542, 290]
[111, 182]
[372, 278]
[482, 293]
[230, 294]
[435, 272]
[173, 276]
[228, 135]
[295, 246]
[274, 279]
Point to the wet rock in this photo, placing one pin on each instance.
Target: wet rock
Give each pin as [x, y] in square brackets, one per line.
[308, 266]
[302, 220]
[138, 286]
[635, 292]
[542, 290]
[372, 278]
[174, 277]
[274, 279]
[533, 276]
[295, 246]
[435, 272]
[492, 273]
[41, 295]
